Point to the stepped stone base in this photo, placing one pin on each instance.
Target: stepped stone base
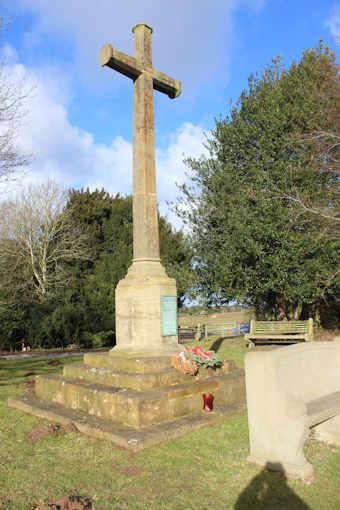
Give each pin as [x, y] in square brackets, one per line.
[121, 435]
[133, 401]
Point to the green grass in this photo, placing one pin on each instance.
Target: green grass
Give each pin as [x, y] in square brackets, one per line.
[206, 469]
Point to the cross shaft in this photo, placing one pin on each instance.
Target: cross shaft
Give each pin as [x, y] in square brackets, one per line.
[145, 79]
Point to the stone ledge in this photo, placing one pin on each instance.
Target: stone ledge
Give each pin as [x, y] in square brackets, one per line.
[130, 363]
[140, 409]
[127, 362]
[141, 381]
[124, 436]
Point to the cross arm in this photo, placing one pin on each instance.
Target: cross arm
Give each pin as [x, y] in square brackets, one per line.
[165, 84]
[120, 62]
[132, 68]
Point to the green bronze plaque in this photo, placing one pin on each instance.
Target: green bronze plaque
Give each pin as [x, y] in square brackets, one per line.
[169, 315]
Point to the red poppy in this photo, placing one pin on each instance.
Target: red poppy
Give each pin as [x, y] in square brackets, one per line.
[199, 352]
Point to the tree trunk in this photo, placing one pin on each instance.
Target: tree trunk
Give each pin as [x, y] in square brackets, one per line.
[295, 310]
[280, 308]
[317, 314]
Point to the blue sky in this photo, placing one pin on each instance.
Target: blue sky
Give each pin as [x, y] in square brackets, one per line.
[79, 121]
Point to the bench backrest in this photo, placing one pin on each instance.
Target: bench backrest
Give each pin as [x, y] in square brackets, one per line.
[258, 327]
[309, 371]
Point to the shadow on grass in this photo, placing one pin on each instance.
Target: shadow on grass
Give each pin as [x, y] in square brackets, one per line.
[269, 490]
[217, 344]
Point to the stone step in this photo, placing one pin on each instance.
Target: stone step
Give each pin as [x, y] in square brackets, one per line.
[130, 363]
[121, 435]
[140, 408]
[139, 381]
[126, 363]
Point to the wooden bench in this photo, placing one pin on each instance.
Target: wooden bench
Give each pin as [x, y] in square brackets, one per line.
[279, 331]
[289, 391]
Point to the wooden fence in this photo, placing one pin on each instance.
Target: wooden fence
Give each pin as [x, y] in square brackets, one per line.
[231, 328]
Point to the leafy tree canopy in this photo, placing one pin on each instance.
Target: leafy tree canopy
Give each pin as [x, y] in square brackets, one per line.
[253, 241]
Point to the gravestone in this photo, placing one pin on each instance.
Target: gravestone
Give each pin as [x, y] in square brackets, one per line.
[132, 395]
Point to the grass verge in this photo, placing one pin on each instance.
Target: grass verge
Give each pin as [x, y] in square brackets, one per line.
[202, 470]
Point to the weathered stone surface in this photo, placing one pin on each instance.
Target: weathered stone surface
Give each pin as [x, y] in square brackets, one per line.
[142, 364]
[138, 295]
[140, 408]
[138, 310]
[140, 379]
[122, 435]
[290, 390]
[328, 431]
[128, 362]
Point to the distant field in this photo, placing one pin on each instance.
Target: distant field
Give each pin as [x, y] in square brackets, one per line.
[213, 318]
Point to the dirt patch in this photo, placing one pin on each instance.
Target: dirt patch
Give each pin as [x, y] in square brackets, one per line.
[48, 429]
[54, 362]
[133, 492]
[128, 470]
[326, 335]
[28, 374]
[313, 447]
[66, 503]
[30, 386]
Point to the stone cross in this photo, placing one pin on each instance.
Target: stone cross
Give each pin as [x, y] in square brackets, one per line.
[145, 302]
[145, 79]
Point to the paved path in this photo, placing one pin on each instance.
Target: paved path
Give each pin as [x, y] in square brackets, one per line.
[46, 354]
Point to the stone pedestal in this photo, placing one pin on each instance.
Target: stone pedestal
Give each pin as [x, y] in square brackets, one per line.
[135, 402]
[131, 395]
[138, 310]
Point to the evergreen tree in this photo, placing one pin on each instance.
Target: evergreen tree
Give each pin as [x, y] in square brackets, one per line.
[91, 298]
[253, 242]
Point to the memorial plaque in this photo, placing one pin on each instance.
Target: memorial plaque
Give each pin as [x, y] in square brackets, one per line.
[169, 315]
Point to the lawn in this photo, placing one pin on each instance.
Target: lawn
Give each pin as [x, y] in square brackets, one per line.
[202, 470]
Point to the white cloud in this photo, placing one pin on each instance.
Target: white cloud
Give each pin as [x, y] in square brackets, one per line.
[186, 142]
[72, 157]
[333, 23]
[190, 41]
[8, 54]
[66, 153]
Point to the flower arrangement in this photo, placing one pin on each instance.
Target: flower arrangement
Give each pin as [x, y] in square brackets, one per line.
[183, 364]
[202, 357]
[189, 361]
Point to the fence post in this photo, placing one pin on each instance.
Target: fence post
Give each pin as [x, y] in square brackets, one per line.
[205, 332]
[198, 333]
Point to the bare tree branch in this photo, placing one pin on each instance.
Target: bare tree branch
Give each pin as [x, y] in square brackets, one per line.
[13, 96]
[37, 236]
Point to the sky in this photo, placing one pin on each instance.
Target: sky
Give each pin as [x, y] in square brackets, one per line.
[78, 122]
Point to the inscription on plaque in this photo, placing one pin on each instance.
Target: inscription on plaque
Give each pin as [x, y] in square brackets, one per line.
[169, 315]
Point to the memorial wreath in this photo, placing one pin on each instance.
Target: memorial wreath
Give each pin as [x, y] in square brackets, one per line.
[189, 361]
